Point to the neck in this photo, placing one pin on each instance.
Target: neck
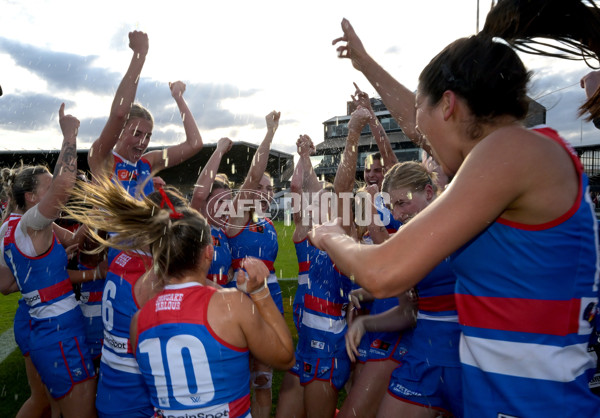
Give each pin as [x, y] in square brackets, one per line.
[198, 276]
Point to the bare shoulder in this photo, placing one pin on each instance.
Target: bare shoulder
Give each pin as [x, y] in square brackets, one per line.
[231, 299]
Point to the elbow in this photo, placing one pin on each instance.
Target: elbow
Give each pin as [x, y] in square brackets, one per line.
[380, 285]
[286, 363]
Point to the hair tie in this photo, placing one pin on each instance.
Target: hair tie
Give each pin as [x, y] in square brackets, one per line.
[165, 199]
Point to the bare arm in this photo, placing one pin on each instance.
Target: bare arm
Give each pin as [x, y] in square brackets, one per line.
[306, 148]
[397, 98]
[300, 230]
[345, 175]
[68, 238]
[82, 276]
[101, 149]
[304, 183]
[399, 318]
[388, 156]
[65, 169]
[256, 171]
[193, 141]
[489, 183]
[260, 325]
[8, 284]
[207, 176]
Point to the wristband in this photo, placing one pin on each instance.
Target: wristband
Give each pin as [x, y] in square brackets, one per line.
[244, 287]
[260, 297]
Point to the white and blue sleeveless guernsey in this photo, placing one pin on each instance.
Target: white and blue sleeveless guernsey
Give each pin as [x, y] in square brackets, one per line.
[121, 388]
[324, 318]
[189, 369]
[90, 300]
[57, 338]
[21, 325]
[304, 252]
[522, 292]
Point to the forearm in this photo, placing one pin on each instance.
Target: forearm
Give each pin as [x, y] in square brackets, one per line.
[206, 179]
[63, 179]
[273, 319]
[310, 181]
[259, 161]
[388, 156]
[192, 134]
[8, 283]
[82, 276]
[399, 100]
[346, 172]
[125, 94]
[392, 320]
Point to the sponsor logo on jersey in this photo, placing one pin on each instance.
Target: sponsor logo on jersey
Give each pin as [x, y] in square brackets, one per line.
[122, 259]
[595, 382]
[30, 300]
[169, 302]
[125, 175]
[319, 345]
[256, 228]
[307, 368]
[381, 345]
[112, 342]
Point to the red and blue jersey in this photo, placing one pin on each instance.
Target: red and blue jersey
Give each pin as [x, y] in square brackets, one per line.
[46, 288]
[121, 388]
[90, 301]
[324, 316]
[522, 294]
[134, 177]
[304, 252]
[189, 369]
[219, 268]
[256, 239]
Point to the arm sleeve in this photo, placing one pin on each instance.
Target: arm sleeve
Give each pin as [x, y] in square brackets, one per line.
[34, 219]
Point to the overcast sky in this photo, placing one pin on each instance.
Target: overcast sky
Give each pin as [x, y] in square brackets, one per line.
[239, 59]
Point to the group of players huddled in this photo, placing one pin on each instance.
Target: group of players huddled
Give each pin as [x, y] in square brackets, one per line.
[470, 291]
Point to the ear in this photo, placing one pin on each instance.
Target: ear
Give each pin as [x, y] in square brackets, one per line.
[208, 253]
[29, 197]
[429, 192]
[448, 104]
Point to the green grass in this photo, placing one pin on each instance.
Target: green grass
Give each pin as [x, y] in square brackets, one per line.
[14, 389]
[8, 306]
[286, 265]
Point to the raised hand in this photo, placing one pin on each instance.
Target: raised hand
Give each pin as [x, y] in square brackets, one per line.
[359, 118]
[138, 42]
[305, 146]
[353, 49]
[360, 98]
[69, 124]
[177, 89]
[273, 120]
[224, 145]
